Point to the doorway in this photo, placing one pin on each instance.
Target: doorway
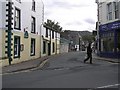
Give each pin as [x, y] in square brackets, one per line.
[49, 49]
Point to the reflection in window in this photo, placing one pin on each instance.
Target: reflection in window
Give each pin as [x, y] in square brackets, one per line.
[107, 42]
[118, 48]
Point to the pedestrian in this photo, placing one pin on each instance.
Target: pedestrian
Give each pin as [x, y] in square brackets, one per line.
[89, 53]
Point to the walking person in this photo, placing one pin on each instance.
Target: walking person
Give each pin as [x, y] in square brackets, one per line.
[89, 53]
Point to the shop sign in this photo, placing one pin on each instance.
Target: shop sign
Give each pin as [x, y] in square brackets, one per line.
[110, 26]
[26, 34]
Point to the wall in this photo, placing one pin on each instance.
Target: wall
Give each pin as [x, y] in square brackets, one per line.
[26, 14]
[64, 47]
[103, 12]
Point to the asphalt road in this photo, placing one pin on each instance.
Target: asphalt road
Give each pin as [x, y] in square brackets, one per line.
[67, 71]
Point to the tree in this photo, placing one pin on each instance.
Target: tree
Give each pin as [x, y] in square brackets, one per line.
[53, 25]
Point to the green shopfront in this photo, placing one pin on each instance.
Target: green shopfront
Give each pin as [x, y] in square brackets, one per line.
[109, 40]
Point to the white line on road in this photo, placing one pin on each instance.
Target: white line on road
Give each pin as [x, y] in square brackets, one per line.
[107, 86]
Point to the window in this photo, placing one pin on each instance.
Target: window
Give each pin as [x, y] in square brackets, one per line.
[118, 42]
[116, 12]
[44, 47]
[53, 47]
[107, 42]
[17, 19]
[33, 25]
[33, 5]
[32, 47]
[16, 46]
[109, 6]
[52, 34]
[46, 32]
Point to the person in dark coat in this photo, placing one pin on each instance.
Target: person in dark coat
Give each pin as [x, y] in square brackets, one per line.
[89, 54]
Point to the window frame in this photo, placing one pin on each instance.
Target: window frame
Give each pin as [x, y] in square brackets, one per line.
[18, 18]
[116, 10]
[46, 32]
[33, 25]
[53, 49]
[44, 47]
[18, 47]
[53, 35]
[32, 47]
[109, 9]
[33, 5]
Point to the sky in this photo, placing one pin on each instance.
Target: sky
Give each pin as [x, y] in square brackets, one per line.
[77, 15]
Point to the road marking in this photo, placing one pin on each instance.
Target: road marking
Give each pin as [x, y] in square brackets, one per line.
[107, 86]
[40, 66]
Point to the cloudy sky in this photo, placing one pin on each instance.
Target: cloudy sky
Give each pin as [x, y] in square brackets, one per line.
[76, 15]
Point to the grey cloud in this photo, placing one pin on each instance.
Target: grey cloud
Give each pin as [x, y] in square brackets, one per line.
[64, 4]
[90, 21]
[74, 23]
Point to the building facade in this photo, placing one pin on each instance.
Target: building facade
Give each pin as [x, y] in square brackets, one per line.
[20, 29]
[108, 28]
[64, 45]
[50, 42]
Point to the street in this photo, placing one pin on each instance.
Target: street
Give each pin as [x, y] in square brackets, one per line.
[66, 71]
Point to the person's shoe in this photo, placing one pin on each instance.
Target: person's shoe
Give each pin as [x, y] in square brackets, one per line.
[91, 63]
[84, 61]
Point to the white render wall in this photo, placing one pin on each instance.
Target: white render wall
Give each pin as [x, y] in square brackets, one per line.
[26, 13]
[103, 12]
[2, 23]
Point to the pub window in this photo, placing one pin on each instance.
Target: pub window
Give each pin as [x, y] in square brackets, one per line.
[109, 7]
[33, 25]
[33, 5]
[116, 11]
[52, 34]
[44, 47]
[53, 47]
[32, 47]
[16, 46]
[17, 19]
[118, 42]
[46, 32]
[107, 42]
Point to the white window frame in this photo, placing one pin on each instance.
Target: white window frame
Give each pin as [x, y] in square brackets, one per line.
[17, 18]
[116, 11]
[33, 24]
[32, 47]
[17, 47]
[109, 8]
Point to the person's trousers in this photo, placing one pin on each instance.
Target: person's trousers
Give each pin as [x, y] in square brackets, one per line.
[89, 56]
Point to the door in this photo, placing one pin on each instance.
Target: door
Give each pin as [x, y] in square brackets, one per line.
[49, 49]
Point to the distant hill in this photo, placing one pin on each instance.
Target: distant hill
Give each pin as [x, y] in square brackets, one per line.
[74, 35]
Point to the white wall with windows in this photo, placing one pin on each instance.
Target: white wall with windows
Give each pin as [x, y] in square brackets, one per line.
[22, 48]
[109, 11]
[29, 10]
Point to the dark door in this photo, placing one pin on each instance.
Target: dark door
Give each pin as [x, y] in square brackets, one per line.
[49, 49]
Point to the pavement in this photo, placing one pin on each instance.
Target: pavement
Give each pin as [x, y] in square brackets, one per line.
[40, 62]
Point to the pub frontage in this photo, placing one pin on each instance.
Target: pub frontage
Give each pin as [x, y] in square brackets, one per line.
[109, 40]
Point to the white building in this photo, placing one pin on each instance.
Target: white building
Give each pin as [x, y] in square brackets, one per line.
[50, 42]
[108, 28]
[20, 34]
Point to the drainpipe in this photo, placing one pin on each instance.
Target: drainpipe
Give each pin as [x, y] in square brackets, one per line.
[9, 31]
